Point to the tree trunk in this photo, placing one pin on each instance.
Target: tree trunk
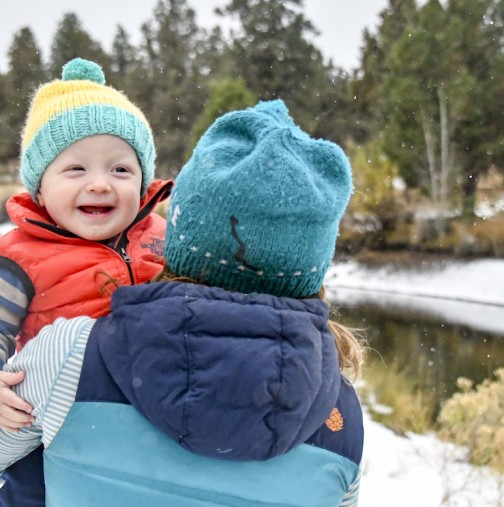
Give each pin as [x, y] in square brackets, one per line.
[430, 146]
[446, 149]
[469, 195]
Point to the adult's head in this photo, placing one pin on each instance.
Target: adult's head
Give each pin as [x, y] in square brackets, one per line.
[258, 205]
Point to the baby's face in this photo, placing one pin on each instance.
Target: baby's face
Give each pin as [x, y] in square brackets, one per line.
[92, 188]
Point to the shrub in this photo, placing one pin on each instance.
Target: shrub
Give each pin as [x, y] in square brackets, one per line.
[474, 418]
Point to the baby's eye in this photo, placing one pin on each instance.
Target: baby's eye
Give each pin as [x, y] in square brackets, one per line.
[76, 168]
[121, 169]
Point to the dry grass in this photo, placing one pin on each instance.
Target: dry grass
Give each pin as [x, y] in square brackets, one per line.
[394, 399]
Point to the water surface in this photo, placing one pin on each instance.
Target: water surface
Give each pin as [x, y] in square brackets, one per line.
[432, 351]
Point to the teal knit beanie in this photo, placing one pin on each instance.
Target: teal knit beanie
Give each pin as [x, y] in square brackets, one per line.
[78, 106]
[258, 205]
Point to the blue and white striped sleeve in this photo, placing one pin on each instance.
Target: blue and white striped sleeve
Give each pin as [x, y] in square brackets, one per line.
[52, 363]
[351, 498]
[14, 300]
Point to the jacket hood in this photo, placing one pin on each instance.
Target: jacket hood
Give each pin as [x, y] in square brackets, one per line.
[227, 375]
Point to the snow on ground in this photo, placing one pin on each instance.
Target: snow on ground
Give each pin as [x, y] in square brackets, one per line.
[479, 281]
[420, 470]
[464, 292]
[488, 209]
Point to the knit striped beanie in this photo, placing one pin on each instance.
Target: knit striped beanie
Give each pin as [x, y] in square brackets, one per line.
[78, 106]
[258, 205]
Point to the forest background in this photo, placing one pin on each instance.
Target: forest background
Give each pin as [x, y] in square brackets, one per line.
[421, 117]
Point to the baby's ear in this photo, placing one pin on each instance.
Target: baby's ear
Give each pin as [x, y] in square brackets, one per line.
[40, 199]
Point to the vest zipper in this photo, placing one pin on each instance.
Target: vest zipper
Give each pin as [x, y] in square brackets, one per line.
[120, 248]
[128, 260]
[125, 256]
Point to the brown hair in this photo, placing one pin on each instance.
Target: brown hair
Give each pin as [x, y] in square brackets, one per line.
[349, 344]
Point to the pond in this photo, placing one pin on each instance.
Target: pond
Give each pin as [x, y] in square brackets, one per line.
[434, 322]
[432, 352]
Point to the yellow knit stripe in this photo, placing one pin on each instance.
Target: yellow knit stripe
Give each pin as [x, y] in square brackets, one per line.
[57, 97]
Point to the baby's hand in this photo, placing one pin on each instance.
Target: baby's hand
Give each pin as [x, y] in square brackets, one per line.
[14, 412]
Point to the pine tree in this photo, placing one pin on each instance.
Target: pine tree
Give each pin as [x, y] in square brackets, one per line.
[125, 64]
[442, 97]
[171, 80]
[273, 55]
[369, 85]
[228, 94]
[26, 72]
[124, 54]
[72, 41]
[479, 134]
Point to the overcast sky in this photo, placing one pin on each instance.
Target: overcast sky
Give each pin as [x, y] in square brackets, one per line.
[340, 22]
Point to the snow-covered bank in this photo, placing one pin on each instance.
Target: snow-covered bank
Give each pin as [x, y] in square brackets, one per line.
[421, 471]
[464, 292]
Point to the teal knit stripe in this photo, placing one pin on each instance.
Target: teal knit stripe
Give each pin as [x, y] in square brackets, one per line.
[71, 126]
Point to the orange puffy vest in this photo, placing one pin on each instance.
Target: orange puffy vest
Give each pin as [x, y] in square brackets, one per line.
[68, 276]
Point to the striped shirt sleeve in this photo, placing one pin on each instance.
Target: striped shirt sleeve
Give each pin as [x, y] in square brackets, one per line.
[14, 302]
[351, 498]
[52, 363]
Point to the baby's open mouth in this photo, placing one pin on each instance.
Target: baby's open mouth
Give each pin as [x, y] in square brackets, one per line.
[96, 210]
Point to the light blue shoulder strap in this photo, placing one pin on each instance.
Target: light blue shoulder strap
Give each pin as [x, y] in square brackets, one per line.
[108, 454]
